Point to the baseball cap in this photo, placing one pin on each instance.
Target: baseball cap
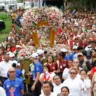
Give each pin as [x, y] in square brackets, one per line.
[40, 52]
[34, 55]
[18, 64]
[75, 47]
[63, 50]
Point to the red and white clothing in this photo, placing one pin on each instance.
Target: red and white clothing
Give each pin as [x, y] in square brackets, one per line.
[52, 67]
[47, 76]
[62, 65]
[70, 43]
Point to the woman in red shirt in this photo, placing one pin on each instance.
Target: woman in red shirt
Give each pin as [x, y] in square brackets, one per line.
[8, 48]
[52, 67]
[62, 64]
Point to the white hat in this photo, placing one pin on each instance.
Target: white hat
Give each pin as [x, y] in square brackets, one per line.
[88, 48]
[63, 50]
[75, 47]
[40, 52]
[18, 64]
[34, 55]
[18, 46]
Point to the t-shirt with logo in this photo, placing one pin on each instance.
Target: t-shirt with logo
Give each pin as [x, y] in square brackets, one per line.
[13, 87]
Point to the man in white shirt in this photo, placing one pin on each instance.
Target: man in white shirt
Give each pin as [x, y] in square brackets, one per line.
[57, 85]
[47, 87]
[2, 92]
[73, 83]
[4, 67]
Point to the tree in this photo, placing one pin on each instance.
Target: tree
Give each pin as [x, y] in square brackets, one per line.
[19, 1]
[88, 4]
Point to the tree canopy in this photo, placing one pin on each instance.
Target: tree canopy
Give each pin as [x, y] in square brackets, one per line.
[89, 4]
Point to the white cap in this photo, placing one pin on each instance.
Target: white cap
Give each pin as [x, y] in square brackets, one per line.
[18, 64]
[34, 55]
[18, 46]
[40, 52]
[63, 50]
[75, 47]
[88, 48]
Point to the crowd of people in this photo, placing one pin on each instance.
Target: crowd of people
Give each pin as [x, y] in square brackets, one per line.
[67, 70]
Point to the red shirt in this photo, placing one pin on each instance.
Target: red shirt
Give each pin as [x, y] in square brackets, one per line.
[93, 70]
[70, 43]
[13, 48]
[1, 60]
[52, 67]
[47, 77]
[62, 65]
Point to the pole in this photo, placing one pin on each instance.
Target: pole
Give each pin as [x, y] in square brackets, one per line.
[39, 3]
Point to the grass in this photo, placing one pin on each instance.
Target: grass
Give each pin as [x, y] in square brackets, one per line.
[2, 36]
[8, 22]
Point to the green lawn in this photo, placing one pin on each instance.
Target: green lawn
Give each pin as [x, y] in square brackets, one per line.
[8, 22]
[2, 36]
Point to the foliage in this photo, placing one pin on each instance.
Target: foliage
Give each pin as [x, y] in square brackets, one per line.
[89, 4]
[2, 36]
[20, 1]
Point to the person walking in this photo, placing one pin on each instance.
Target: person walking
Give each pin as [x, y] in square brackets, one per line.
[38, 69]
[4, 67]
[73, 80]
[13, 86]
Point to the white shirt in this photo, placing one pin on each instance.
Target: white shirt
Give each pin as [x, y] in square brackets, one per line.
[2, 92]
[14, 61]
[75, 86]
[57, 89]
[87, 86]
[52, 94]
[66, 73]
[4, 67]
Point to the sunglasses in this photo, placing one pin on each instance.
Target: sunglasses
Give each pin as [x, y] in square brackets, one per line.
[11, 71]
[72, 72]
